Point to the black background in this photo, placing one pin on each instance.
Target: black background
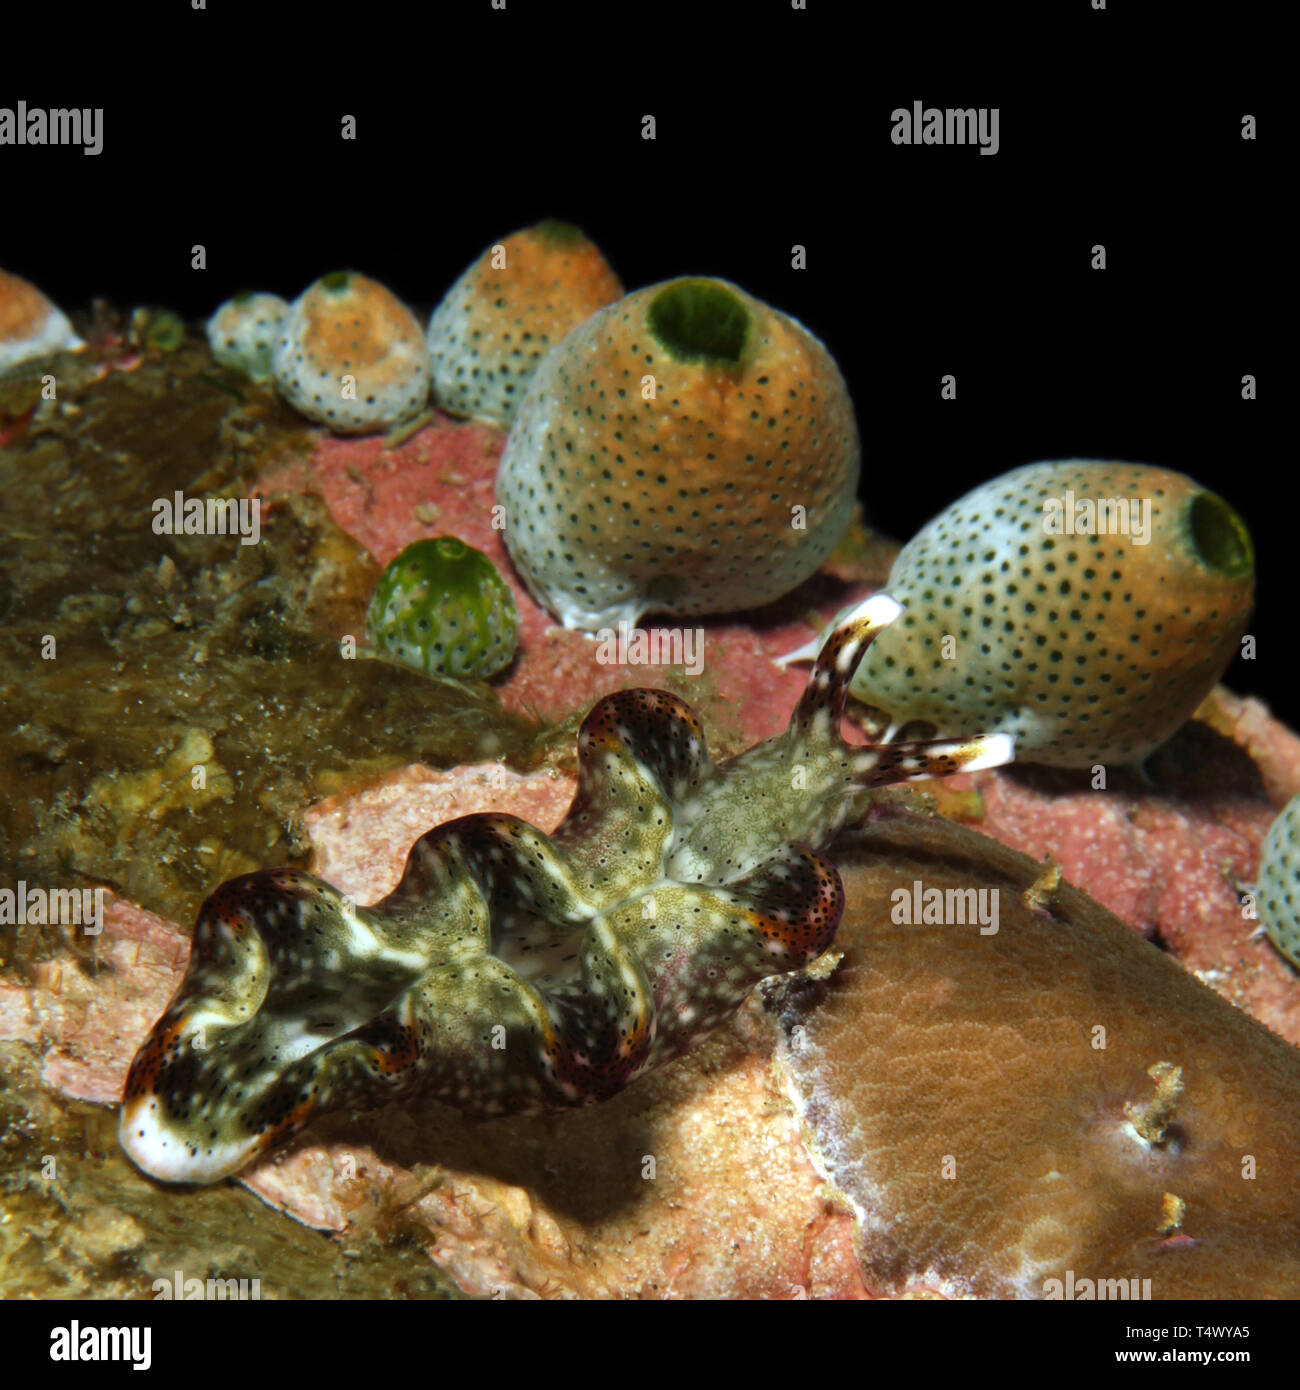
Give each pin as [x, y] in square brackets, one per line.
[1119, 127]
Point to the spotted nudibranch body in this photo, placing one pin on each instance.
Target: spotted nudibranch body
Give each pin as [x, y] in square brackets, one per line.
[511, 970]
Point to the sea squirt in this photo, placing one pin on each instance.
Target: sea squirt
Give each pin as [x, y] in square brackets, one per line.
[242, 333]
[686, 450]
[501, 317]
[1279, 882]
[510, 970]
[1085, 608]
[443, 607]
[351, 356]
[31, 328]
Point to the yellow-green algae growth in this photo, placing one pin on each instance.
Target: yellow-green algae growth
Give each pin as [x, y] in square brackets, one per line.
[78, 1221]
[169, 652]
[175, 651]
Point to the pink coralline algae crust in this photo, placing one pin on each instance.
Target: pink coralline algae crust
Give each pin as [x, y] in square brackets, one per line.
[1174, 859]
[361, 840]
[87, 1013]
[441, 482]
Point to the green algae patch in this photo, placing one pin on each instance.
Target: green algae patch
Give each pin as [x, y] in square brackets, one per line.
[558, 233]
[175, 701]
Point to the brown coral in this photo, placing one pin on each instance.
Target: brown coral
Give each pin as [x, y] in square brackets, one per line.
[1005, 1108]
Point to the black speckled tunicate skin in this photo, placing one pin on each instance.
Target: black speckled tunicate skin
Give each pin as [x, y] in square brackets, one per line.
[501, 317]
[351, 356]
[243, 332]
[721, 491]
[1087, 648]
[1279, 882]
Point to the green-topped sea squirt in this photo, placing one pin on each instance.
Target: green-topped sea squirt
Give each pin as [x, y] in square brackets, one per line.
[443, 607]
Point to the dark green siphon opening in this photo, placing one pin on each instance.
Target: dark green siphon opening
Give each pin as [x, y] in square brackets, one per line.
[700, 321]
[556, 232]
[1220, 536]
[336, 280]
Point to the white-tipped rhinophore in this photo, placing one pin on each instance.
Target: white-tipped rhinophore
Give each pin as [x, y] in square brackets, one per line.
[880, 610]
[999, 749]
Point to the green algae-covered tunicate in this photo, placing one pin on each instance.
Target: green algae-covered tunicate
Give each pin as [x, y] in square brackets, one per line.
[1279, 882]
[1085, 608]
[443, 607]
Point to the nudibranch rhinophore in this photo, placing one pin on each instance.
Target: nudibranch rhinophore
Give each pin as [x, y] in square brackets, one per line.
[511, 970]
[1086, 608]
[496, 323]
[351, 356]
[687, 450]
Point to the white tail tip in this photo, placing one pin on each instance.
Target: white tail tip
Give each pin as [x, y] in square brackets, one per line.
[999, 749]
[879, 610]
[808, 652]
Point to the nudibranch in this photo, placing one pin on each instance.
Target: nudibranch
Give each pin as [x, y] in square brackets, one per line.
[511, 970]
[443, 607]
[501, 317]
[1086, 608]
[1279, 882]
[686, 450]
[243, 331]
[351, 356]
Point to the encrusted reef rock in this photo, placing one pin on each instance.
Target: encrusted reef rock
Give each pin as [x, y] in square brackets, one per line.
[1128, 1162]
